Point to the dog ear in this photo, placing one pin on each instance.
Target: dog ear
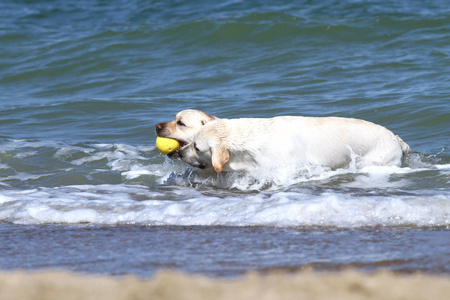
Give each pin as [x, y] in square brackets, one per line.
[208, 118]
[220, 157]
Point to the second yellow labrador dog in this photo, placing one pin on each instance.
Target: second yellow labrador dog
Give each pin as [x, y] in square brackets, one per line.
[250, 143]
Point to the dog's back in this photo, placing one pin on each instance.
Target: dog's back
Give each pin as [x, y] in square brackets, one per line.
[331, 142]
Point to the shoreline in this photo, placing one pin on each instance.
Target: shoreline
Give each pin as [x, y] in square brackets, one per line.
[307, 284]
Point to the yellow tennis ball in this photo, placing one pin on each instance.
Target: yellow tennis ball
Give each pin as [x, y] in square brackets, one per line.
[165, 145]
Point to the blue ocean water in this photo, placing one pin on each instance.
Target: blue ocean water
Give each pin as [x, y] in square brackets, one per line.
[83, 83]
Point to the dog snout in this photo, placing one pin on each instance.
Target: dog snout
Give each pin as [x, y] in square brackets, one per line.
[159, 127]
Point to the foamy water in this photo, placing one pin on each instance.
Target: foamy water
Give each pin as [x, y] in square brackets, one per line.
[108, 204]
[148, 189]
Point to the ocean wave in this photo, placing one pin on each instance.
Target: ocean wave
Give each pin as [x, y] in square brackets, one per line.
[110, 57]
[53, 182]
[122, 204]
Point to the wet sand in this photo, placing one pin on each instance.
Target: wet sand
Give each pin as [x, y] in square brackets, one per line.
[279, 285]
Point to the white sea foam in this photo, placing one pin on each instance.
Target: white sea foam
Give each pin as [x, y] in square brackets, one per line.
[123, 204]
[171, 193]
[282, 177]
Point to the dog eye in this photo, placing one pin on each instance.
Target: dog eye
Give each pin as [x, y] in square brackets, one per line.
[196, 148]
[181, 123]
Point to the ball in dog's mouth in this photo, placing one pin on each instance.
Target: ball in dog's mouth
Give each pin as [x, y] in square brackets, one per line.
[167, 145]
[175, 154]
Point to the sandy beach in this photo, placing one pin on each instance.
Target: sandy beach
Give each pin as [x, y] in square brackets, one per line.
[168, 285]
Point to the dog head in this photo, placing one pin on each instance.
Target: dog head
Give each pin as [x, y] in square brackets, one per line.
[184, 127]
[207, 149]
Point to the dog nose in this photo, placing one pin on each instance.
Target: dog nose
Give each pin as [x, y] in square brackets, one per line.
[158, 127]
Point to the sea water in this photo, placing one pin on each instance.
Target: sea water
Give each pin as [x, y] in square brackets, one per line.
[84, 83]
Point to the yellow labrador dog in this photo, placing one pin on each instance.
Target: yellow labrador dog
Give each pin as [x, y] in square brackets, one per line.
[184, 127]
[251, 143]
